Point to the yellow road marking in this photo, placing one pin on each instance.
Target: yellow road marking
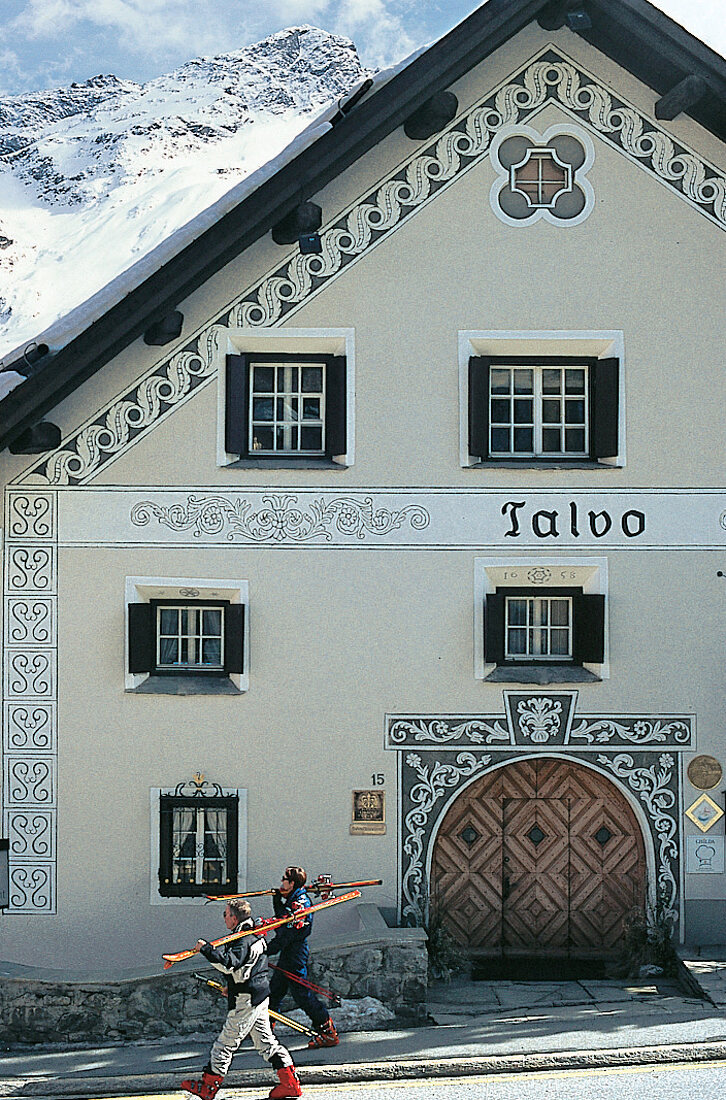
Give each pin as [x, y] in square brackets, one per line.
[475, 1078]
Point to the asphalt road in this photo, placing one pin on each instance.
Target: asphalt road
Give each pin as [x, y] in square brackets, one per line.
[677, 1081]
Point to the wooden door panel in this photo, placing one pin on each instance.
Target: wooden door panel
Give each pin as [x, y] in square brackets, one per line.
[535, 873]
[503, 886]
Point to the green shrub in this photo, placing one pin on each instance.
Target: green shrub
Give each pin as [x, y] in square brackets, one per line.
[648, 937]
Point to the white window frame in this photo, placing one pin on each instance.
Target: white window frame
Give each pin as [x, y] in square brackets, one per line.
[532, 626]
[290, 341]
[538, 424]
[189, 666]
[496, 573]
[146, 589]
[286, 425]
[155, 898]
[591, 344]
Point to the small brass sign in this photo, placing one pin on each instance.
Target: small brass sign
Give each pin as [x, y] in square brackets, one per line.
[704, 813]
[704, 773]
[369, 812]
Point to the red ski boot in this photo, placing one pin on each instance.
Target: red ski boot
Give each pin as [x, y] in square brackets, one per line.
[208, 1087]
[327, 1036]
[289, 1086]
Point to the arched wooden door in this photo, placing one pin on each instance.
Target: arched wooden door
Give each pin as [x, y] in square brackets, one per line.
[540, 856]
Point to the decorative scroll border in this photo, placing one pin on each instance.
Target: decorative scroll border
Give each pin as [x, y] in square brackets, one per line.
[426, 785]
[589, 733]
[281, 518]
[551, 77]
[30, 690]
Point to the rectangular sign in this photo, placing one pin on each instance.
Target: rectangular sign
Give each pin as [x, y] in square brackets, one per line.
[509, 519]
[705, 855]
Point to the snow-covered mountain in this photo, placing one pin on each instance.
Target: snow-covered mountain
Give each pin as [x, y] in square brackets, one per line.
[94, 176]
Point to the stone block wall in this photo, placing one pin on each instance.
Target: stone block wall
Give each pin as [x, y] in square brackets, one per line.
[387, 963]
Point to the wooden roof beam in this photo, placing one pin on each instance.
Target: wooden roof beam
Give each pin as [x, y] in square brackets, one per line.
[681, 97]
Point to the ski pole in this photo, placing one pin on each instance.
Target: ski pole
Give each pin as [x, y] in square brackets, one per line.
[270, 1012]
[334, 998]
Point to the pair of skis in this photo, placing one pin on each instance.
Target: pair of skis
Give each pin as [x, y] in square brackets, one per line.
[261, 929]
[321, 886]
[219, 988]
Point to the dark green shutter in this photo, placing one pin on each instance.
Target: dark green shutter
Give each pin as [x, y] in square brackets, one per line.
[232, 842]
[604, 405]
[479, 406]
[166, 829]
[588, 636]
[494, 628]
[236, 423]
[335, 406]
[234, 632]
[142, 637]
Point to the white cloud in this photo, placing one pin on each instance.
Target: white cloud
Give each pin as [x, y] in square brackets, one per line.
[378, 30]
[142, 26]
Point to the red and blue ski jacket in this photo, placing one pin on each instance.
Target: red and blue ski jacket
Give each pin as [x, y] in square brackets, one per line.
[291, 940]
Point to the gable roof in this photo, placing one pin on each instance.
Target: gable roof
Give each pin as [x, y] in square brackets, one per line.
[639, 37]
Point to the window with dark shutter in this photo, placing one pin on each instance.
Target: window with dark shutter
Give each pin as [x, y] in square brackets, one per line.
[535, 408]
[540, 627]
[286, 406]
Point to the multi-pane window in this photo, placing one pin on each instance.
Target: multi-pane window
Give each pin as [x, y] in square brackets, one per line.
[190, 637]
[538, 627]
[538, 410]
[288, 408]
[198, 845]
[541, 178]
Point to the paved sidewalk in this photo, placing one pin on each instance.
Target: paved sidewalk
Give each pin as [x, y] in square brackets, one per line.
[474, 1027]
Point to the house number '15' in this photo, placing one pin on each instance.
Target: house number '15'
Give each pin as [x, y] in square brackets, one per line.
[378, 779]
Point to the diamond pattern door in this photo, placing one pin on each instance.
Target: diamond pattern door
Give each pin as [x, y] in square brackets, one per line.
[539, 856]
[535, 874]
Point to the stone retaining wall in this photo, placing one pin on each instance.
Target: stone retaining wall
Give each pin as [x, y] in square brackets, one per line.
[387, 963]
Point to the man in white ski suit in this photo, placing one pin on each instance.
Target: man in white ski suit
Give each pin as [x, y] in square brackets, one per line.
[244, 963]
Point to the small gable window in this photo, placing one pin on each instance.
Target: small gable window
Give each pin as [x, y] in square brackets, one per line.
[285, 406]
[541, 178]
[543, 408]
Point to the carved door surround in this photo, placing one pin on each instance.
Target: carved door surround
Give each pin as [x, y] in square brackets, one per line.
[541, 856]
[441, 755]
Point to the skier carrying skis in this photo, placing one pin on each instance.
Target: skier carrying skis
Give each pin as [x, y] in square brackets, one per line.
[244, 962]
[291, 941]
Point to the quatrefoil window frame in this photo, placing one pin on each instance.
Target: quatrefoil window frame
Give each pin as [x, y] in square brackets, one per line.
[505, 190]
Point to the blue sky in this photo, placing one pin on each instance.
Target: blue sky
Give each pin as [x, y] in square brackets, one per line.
[46, 43]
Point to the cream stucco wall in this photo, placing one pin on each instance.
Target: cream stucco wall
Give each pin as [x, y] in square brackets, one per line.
[341, 637]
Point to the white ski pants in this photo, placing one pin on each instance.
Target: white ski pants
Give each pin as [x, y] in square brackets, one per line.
[244, 1020]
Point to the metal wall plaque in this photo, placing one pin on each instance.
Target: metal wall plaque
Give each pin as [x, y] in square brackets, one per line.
[704, 773]
[369, 812]
[704, 855]
[704, 813]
